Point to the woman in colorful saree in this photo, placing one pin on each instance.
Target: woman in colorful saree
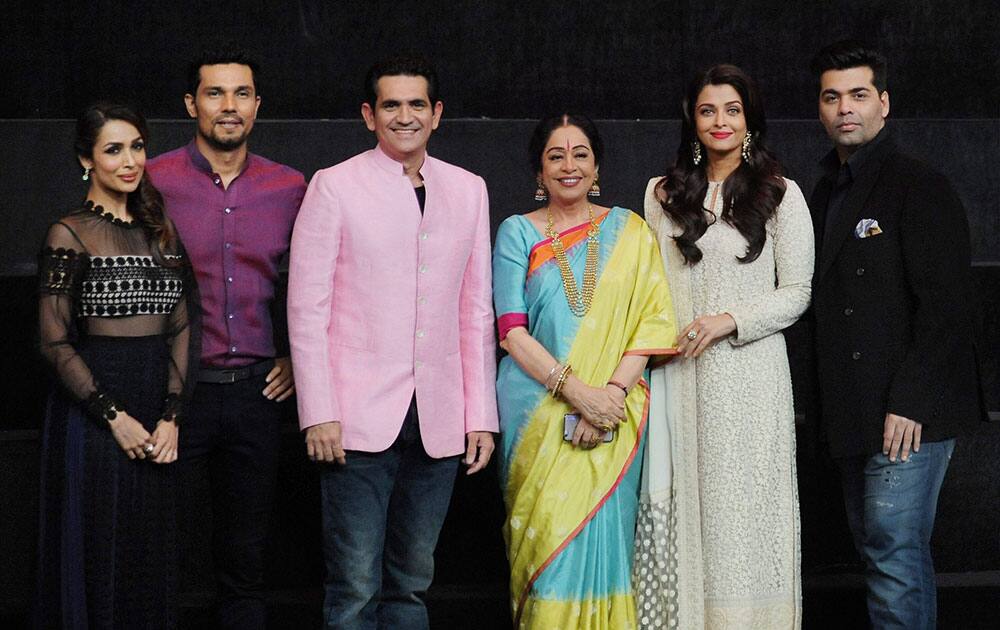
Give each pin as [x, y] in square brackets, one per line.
[582, 304]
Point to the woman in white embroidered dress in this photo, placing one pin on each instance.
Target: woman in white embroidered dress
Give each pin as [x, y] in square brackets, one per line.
[718, 536]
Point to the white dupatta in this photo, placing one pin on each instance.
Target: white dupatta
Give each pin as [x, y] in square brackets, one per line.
[667, 571]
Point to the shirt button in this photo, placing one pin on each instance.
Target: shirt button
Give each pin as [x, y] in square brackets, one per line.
[418, 364]
[848, 311]
[421, 300]
[229, 245]
[228, 210]
[420, 334]
[217, 181]
[229, 279]
[855, 355]
[230, 316]
[232, 348]
[423, 236]
[423, 268]
[860, 271]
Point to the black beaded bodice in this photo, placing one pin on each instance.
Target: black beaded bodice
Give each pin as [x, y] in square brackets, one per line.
[102, 276]
[112, 286]
[119, 286]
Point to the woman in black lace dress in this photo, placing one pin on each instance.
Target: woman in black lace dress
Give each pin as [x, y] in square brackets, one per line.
[116, 310]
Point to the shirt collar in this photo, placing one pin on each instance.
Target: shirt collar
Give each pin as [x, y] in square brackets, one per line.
[201, 162]
[855, 163]
[393, 167]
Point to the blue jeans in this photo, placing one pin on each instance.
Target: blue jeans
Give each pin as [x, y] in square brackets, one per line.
[890, 510]
[382, 513]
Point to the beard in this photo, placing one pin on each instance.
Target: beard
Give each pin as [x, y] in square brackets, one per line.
[224, 144]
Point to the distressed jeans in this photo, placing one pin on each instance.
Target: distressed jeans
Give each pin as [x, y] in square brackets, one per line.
[382, 513]
[890, 510]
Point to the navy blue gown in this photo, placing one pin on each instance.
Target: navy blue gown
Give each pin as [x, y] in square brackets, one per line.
[116, 327]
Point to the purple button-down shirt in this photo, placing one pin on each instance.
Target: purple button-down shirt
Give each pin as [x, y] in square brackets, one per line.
[235, 238]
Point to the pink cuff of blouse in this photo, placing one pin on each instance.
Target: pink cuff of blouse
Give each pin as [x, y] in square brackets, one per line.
[510, 320]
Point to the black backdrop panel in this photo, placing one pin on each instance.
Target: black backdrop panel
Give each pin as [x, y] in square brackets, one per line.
[506, 60]
[498, 59]
[44, 181]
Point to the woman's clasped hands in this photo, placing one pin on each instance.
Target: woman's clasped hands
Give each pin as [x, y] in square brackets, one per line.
[159, 446]
[601, 410]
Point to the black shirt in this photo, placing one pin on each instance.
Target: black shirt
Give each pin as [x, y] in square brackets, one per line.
[843, 175]
[421, 197]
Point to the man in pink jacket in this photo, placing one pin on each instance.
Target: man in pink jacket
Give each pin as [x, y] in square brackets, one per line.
[391, 326]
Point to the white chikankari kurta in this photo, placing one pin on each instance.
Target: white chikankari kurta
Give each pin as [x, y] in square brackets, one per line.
[718, 534]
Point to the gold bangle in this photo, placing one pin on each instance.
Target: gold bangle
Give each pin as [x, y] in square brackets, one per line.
[559, 381]
[565, 376]
[549, 377]
[566, 371]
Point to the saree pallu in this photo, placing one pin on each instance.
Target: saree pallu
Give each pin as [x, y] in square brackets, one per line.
[571, 512]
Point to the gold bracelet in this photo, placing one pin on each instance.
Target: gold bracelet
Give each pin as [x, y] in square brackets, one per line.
[566, 371]
[559, 382]
[557, 387]
[549, 377]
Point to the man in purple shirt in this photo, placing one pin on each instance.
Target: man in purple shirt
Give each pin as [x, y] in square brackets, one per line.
[234, 211]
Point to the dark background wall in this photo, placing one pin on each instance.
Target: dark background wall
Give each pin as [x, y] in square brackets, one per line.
[501, 63]
[499, 59]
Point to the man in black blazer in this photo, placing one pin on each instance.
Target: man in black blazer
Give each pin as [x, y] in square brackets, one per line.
[895, 349]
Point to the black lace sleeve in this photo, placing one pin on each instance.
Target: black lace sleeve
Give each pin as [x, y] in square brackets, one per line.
[62, 264]
[184, 338]
[60, 271]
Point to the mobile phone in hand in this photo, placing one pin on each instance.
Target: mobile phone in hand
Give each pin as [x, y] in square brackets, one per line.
[570, 421]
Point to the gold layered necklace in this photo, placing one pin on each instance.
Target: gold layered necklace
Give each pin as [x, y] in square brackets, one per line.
[579, 303]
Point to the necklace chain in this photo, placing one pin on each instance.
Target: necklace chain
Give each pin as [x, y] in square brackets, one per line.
[579, 302]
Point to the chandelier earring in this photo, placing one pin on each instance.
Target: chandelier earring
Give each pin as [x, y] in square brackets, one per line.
[696, 152]
[595, 190]
[540, 194]
[86, 173]
[747, 139]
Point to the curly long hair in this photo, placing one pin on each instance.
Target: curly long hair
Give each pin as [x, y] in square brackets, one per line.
[145, 203]
[750, 194]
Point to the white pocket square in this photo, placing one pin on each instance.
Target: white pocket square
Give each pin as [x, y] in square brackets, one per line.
[866, 228]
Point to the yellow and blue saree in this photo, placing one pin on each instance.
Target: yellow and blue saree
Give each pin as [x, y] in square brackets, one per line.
[571, 512]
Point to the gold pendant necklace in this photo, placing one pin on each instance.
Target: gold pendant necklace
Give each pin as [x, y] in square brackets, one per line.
[579, 303]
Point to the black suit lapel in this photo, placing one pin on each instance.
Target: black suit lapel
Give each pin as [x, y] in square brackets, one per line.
[848, 216]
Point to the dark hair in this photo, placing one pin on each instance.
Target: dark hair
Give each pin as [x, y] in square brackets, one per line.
[227, 52]
[409, 65]
[543, 131]
[144, 203]
[851, 53]
[750, 194]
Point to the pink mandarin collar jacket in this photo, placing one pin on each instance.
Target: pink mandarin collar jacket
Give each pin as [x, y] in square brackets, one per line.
[382, 301]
